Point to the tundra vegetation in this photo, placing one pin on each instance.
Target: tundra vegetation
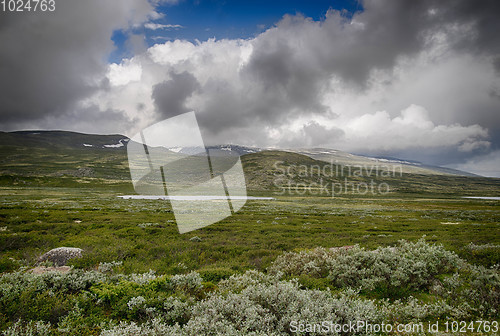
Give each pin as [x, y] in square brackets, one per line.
[419, 254]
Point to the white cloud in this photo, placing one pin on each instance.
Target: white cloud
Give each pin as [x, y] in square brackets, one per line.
[411, 129]
[235, 107]
[154, 15]
[156, 26]
[51, 62]
[171, 52]
[385, 83]
[169, 2]
[124, 73]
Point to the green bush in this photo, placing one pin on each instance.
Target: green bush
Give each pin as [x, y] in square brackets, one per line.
[399, 272]
[386, 271]
[8, 265]
[215, 275]
[406, 283]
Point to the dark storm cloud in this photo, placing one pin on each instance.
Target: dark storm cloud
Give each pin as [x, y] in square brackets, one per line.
[303, 51]
[170, 96]
[312, 135]
[90, 118]
[442, 55]
[483, 15]
[51, 60]
[289, 77]
[292, 65]
[496, 64]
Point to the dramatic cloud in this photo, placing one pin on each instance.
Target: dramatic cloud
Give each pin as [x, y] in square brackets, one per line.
[417, 79]
[355, 83]
[170, 95]
[411, 129]
[51, 60]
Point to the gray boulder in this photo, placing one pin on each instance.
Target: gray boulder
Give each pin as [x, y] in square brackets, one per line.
[60, 256]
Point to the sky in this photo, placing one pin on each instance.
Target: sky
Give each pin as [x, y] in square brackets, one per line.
[416, 80]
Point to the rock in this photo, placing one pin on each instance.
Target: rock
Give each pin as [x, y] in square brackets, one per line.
[80, 172]
[84, 172]
[43, 269]
[59, 256]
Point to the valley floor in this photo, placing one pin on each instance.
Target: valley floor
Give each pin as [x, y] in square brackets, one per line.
[139, 270]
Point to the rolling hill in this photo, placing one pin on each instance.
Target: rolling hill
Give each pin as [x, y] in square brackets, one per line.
[86, 158]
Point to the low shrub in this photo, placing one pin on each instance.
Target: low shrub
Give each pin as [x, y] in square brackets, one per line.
[390, 271]
[215, 275]
[411, 282]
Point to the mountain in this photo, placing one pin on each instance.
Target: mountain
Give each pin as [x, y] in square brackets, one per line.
[86, 158]
[291, 173]
[74, 140]
[335, 157]
[62, 153]
[407, 166]
[230, 149]
[62, 139]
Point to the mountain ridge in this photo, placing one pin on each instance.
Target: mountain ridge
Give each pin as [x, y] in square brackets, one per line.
[60, 139]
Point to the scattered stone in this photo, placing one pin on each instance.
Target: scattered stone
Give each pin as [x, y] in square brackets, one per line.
[60, 256]
[80, 172]
[195, 239]
[145, 225]
[43, 269]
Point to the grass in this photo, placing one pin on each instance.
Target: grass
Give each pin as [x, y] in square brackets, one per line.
[110, 229]
[67, 196]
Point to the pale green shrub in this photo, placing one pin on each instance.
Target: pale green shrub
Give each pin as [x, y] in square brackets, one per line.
[31, 328]
[190, 282]
[107, 267]
[136, 302]
[155, 327]
[13, 284]
[142, 278]
[409, 265]
[477, 286]
[258, 304]
[236, 283]
[473, 247]
[313, 262]
[414, 310]
[175, 310]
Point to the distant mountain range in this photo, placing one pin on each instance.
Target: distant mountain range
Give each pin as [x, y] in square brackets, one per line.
[70, 159]
[60, 140]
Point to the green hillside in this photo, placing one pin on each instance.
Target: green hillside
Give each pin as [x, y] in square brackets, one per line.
[58, 174]
[58, 158]
[311, 245]
[265, 168]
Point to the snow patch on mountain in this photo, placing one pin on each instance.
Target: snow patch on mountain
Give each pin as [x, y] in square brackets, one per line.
[120, 143]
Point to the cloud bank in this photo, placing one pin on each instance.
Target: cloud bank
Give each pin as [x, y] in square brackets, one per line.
[417, 79]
